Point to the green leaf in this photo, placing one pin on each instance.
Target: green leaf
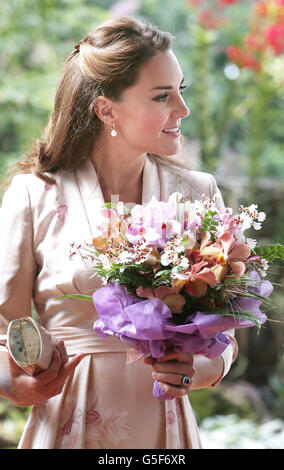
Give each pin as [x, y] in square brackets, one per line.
[242, 314]
[209, 224]
[76, 296]
[270, 252]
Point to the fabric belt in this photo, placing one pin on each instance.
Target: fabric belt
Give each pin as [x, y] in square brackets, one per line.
[82, 340]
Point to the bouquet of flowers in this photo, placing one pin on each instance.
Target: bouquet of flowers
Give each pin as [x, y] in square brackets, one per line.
[178, 273]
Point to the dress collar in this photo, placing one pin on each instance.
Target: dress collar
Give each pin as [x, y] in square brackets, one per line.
[151, 181]
[91, 193]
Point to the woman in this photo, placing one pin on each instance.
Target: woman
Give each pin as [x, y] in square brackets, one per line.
[118, 109]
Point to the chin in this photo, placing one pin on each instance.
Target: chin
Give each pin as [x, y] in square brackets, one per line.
[167, 150]
[171, 154]
[170, 151]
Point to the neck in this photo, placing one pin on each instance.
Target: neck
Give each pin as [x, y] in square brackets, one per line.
[119, 170]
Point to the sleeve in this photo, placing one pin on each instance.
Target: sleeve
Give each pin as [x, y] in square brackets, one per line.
[17, 263]
[228, 356]
[231, 352]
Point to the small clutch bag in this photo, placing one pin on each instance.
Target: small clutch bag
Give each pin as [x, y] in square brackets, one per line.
[30, 345]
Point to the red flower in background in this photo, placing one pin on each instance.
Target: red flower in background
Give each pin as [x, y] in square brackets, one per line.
[275, 37]
[260, 9]
[227, 2]
[243, 59]
[266, 29]
[208, 20]
[255, 42]
[194, 3]
[266, 35]
[210, 12]
[269, 8]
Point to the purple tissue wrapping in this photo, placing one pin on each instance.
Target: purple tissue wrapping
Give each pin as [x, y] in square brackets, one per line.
[147, 325]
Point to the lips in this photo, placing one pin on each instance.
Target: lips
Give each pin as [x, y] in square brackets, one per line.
[173, 130]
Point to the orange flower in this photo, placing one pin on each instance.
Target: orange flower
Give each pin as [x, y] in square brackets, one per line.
[154, 257]
[225, 253]
[260, 8]
[99, 243]
[174, 301]
[198, 280]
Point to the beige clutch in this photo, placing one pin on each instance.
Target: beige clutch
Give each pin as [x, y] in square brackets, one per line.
[30, 345]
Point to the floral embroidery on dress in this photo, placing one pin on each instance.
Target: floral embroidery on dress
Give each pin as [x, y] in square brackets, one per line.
[70, 425]
[174, 425]
[176, 181]
[61, 212]
[105, 423]
[171, 418]
[92, 416]
[179, 409]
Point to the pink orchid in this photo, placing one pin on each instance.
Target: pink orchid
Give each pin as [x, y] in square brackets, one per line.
[199, 278]
[174, 301]
[224, 253]
[196, 280]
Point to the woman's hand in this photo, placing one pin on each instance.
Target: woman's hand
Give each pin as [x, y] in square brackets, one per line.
[26, 390]
[170, 370]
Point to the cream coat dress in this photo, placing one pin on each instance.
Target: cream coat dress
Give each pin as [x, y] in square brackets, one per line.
[105, 403]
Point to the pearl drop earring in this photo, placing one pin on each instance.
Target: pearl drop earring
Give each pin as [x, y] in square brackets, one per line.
[113, 132]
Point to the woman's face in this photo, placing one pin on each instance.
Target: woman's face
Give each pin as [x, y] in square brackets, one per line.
[149, 114]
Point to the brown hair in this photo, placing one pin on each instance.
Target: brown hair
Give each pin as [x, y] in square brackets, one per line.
[105, 62]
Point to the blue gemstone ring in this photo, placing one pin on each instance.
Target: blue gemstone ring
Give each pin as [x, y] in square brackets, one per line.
[186, 380]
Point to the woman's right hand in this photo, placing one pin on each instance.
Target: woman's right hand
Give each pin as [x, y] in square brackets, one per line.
[27, 390]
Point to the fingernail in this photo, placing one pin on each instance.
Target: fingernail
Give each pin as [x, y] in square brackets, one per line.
[163, 386]
[81, 357]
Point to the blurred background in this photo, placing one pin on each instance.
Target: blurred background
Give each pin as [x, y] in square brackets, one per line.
[232, 55]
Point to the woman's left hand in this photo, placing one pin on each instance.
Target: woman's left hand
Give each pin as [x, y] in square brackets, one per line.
[170, 370]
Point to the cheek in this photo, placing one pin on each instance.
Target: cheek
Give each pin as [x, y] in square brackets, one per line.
[148, 122]
[143, 115]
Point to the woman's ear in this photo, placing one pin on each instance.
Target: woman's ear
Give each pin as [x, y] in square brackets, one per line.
[103, 108]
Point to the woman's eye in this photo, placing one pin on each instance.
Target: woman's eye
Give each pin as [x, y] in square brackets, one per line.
[161, 97]
[164, 96]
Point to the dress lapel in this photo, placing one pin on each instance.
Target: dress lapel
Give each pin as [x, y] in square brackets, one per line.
[92, 196]
[91, 193]
[151, 181]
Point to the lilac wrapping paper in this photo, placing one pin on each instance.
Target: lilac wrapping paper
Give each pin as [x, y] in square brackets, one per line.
[147, 325]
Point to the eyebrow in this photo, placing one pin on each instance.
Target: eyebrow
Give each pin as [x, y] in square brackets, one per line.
[165, 87]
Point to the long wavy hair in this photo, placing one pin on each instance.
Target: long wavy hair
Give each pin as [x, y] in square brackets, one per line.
[105, 62]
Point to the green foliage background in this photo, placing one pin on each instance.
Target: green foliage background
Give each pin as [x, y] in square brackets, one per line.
[241, 118]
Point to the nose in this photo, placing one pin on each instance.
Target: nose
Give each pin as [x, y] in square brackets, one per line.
[181, 110]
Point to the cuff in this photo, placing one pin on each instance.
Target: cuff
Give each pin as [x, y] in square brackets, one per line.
[228, 356]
